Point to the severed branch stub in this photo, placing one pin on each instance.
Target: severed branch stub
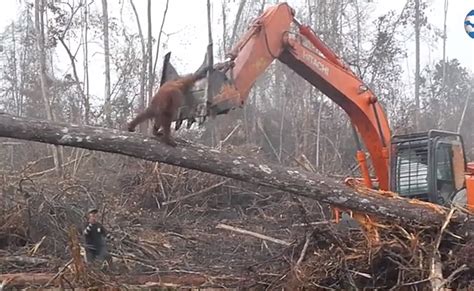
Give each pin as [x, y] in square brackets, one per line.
[201, 158]
[251, 233]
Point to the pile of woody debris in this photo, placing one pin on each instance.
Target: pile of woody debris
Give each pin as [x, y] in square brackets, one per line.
[178, 227]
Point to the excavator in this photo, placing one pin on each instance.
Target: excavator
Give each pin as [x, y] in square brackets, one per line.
[428, 166]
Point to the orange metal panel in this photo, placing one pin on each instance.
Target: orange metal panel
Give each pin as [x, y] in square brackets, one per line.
[470, 186]
[268, 39]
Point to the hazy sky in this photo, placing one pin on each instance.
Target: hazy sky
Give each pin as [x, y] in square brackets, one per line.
[186, 19]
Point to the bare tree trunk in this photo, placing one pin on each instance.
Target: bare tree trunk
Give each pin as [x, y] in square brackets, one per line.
[318, 134]
[158, 43]
[417, 64]
[262, 7]
[282, 122]
[224, 29]
[150, 60]
[358, 31]
[16, 91]
[237, 21]
[142, 101]
[463, 114]
[307, 110]
[108, 105]
[210, 51]
[445, 36]
[39, 24]
[214, 125]
[193, 156]
[87, 106]
[74, 70]
[150, 54]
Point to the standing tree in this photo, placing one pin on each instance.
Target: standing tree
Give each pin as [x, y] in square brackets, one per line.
[142, 101]
[40, 37]
[87, 105]
[445, 37]
[150, 59]
[417, 64]
[158, 42]
[150, 53]
[446, 90]
[107, 105]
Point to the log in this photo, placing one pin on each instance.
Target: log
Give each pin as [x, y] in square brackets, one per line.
[201, 158]
[252, 233]
[159, 279]
[24, 260]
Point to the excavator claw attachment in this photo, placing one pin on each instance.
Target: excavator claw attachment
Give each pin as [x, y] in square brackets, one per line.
[222, 95]
[221, 98]
[169, 73]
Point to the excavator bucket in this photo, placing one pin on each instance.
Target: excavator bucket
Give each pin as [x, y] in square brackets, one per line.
[198, 104]
[168, 73]
[193, 100]
[222, 95]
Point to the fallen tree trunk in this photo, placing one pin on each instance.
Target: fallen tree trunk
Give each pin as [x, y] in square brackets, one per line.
[170, 279]
[209, 160]
[24, 260]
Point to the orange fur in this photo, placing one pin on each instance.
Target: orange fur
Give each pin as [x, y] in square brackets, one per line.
[164, 105]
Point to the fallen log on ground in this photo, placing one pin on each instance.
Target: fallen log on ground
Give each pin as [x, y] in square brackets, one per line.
[163, 279]
[24, 260]
[197, 157]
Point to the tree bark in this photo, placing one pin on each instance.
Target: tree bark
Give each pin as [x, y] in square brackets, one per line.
[201, 158]
[142, 101]
[87, 105]
[158, 42]
[40, 38]
[15, 89]
[150, 54]
[445, 38]
[76, 77]
[417, 64]
[464, 110]
[238, 17]
[107, 105]
[149, 62]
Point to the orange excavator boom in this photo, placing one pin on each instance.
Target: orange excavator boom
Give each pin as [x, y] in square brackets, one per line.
[270, 38]
[277, 35]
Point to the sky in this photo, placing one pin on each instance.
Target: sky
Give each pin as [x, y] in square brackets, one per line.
[186, 22]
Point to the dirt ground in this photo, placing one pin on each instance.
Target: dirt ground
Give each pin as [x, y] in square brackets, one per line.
[164, 223]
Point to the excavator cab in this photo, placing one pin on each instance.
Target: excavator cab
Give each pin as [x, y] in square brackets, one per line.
[429, 166]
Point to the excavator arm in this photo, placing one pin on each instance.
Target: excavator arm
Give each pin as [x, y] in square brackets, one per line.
[276, 34]
[269, 38]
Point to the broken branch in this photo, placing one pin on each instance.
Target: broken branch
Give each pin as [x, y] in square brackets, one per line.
[25, 260]
[251, 233]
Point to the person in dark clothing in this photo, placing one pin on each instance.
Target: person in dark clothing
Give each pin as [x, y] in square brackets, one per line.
[95, 236]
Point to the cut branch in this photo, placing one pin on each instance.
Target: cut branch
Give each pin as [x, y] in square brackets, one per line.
[251, 233]
[159, 279]
[24, 260]
[201, 158]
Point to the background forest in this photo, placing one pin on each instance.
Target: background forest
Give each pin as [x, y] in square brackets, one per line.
[51, 56]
